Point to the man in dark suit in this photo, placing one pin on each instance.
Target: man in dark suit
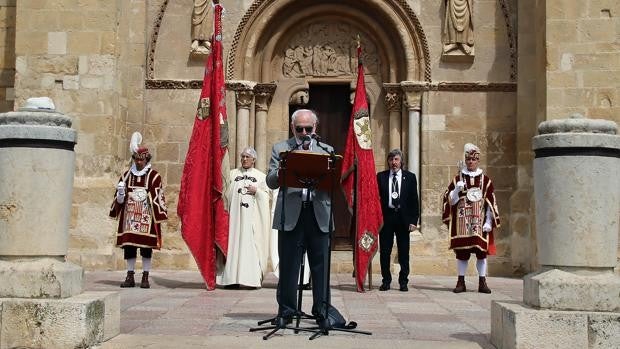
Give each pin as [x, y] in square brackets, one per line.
[305, 225]
[398, 190]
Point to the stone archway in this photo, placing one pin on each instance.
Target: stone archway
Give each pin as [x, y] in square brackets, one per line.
[390, 24]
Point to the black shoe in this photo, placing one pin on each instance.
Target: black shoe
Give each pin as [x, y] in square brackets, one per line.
[384, 287]
[307, 286]
[404, 288]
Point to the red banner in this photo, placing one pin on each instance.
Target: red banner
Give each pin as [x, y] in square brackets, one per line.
[201, 207]
[362, 191]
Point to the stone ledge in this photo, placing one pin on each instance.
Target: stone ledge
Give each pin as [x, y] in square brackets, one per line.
[41, 278]
[561, 290]
[515, 325]
[75, 322]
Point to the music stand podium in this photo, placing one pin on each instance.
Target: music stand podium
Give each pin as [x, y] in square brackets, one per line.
[312, 171]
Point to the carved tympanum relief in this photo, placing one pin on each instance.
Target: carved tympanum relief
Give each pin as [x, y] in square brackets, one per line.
[458, 28]
[327, 50]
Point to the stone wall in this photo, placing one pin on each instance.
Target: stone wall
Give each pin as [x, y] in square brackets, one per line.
[91, 58]
[7, 54]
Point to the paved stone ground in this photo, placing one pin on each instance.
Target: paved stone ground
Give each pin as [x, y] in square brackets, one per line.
[178, 312]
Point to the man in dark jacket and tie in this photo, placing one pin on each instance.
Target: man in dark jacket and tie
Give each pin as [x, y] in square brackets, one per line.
[398, 190]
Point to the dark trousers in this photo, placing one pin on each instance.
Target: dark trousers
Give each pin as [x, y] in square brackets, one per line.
[291, 245]
[132, 252]
[392, 225]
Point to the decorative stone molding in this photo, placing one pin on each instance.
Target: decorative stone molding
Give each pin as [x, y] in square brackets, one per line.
[264, 94]
[393, 97]
[150, 59]
[512, 41]
[254, 11]
[478, 86]
[174, 84]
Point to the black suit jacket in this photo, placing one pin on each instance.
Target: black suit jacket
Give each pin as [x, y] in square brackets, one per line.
[409, 210]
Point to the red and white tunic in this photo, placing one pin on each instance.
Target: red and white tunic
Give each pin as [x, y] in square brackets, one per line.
[142, 212]
[466, 217]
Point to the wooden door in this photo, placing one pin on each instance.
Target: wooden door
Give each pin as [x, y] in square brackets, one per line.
[332, 105]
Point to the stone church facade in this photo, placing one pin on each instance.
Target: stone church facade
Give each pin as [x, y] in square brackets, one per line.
[120, 66]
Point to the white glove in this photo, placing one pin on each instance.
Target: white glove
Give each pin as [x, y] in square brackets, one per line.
[487, 227]
[460, 185]
[120, 188]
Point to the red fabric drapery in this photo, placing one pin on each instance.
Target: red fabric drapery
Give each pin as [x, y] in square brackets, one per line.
[358, 152]
[201, 207]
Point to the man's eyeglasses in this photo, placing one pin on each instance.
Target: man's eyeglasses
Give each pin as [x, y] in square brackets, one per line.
[300, 129]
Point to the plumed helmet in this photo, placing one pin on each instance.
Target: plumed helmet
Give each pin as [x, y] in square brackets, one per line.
[471, 150]
[137, 150]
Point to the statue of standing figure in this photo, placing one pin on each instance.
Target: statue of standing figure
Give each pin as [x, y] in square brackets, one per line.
[458, 29]
[202, 27]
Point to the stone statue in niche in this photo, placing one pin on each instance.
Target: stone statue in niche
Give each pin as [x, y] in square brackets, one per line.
[202, 27]
[326, 50]
[458, 28]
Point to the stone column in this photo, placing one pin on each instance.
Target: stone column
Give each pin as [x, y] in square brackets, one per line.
[41, 299]
[263, 94]
[245, 96]
[574, 300]
[413, 102]
[393, 96]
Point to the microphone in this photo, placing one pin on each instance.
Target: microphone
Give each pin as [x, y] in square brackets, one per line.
[316, 137]
[305, 142]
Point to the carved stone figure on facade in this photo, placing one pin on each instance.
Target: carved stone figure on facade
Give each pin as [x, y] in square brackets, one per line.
[202, 27]
[300, 97]
[458, 28]
[290, 66]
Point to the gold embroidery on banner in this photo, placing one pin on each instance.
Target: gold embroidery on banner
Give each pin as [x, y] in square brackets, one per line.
[204, 106]
[361, 128]
[367, 241]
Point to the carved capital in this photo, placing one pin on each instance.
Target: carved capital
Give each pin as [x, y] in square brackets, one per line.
[393, 96]
[263, 94]
[244, 98]
[413, 93]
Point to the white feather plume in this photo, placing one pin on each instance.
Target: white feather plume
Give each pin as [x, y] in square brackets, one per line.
[134, 143]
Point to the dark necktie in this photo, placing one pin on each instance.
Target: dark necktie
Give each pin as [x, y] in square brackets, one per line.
[395, 196]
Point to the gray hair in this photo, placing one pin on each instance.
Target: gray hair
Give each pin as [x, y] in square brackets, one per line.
[315, 119]
[397, 152]
[249, 151]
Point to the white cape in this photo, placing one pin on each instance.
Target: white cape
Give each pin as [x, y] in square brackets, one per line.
[250, 227]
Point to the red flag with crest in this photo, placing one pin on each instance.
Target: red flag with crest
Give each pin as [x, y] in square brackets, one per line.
[362, 191]
[201, 206]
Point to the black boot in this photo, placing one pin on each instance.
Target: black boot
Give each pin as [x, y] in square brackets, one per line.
[129, 281]
[145, 280]
[460, 285]
[482, 285]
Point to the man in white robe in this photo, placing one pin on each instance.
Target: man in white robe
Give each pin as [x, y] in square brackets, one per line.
[250, 225]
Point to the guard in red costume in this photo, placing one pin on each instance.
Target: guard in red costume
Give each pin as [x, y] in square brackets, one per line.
[470, 211]
[140, 207]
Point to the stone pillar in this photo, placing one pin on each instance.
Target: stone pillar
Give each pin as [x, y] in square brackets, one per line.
[263, 94]
[413, 102]
[393, 96]
[41, 299]
[574, 300]
[245, 96]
